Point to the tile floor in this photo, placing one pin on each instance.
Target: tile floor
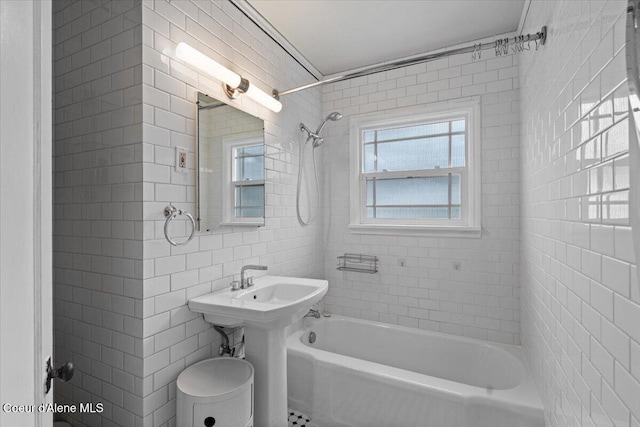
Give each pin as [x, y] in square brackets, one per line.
[299, 419]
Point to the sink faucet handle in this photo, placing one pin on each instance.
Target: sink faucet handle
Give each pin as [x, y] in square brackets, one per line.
[249, 281]
[235, 285]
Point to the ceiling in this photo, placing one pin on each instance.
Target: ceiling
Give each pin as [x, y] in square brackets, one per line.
[340, 35]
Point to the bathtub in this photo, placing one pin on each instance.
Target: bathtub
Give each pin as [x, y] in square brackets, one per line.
[366, 374]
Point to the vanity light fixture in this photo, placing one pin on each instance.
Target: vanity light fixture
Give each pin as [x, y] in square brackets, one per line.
[233, 84]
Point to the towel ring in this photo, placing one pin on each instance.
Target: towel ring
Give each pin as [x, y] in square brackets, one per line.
[171, 212]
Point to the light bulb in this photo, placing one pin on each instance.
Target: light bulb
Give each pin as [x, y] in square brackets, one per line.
[207, 65]
[226, 76]
[259, 96]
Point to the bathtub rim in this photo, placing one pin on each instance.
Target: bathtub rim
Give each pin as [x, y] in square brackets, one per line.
[524, 397]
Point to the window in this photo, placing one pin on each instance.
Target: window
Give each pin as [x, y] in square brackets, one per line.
[244, 191]
[417, 173]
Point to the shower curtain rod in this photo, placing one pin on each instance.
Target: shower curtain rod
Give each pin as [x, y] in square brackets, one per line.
[476, 48]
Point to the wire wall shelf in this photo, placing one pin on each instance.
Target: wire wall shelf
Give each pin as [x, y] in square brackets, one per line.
[358, 263]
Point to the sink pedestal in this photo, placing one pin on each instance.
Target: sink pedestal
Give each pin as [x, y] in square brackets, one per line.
[266, 350]
[265, 310]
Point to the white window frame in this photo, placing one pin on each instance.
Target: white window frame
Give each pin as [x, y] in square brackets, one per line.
[470, 176]
[231, 143]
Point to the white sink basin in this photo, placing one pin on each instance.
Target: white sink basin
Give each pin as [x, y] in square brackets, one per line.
[265, 310]
[279, 293]
[272, 302]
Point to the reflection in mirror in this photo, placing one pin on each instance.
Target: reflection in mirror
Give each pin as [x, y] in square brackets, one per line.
[633, 64]
[230, 166]
[632, 47]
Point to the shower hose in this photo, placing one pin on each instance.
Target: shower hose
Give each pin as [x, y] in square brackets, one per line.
[311, 218]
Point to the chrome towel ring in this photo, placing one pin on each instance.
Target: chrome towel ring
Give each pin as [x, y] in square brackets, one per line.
[171, 212]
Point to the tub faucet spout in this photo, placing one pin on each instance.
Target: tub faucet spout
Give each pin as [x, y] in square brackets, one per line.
[313, 313]
[245, 282]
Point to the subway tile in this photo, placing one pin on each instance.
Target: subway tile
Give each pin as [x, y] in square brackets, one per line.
[170, 301]
[494, 270]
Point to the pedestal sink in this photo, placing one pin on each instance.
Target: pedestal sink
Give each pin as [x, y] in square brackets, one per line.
[265, 310]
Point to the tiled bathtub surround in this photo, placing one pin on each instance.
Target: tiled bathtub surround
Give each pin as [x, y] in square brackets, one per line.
[418, 284]
[133, 290]
[580, 293]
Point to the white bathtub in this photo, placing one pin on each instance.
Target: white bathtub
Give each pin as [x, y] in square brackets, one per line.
[368, 374]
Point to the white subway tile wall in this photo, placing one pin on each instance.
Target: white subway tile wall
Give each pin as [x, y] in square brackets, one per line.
[98, 224]
[123, 103]
[580, 293]
[418, 284]
[173, 337]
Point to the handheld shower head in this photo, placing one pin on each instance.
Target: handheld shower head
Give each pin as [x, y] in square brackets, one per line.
[335, 116]
[316, 141]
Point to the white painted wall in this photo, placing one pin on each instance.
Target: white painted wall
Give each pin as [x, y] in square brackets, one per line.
[580, 300]
[481, 300]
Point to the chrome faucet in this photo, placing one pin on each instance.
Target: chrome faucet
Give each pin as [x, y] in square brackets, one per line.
[313, 313]
[247, 282]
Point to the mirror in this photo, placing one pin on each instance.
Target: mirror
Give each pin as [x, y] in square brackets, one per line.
[633, 80]
[230, 146]
[632, 54]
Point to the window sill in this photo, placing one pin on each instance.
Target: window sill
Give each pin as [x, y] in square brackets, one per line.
[416, 230]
